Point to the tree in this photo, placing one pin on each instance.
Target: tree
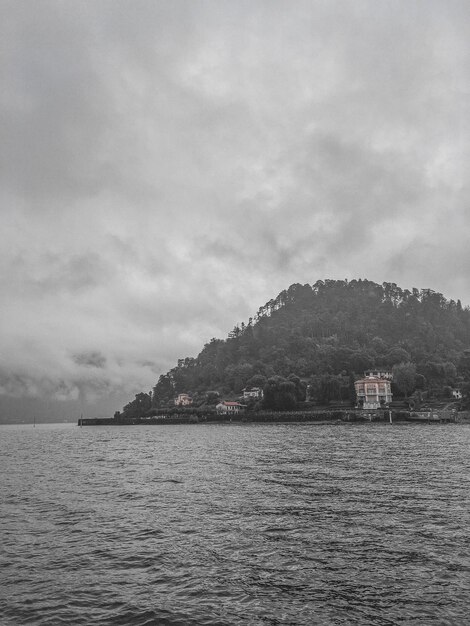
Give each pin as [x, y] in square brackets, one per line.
[212, 397]
[465, 402]
[330, 389]
[439, 374]
[258, 380]
[464, 364]
[279, 394]
[300, 387]
[404, 377]
[235, 376]
[139, 406]
[163, 391]
[397, 355]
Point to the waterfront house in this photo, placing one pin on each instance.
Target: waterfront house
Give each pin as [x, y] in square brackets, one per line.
[183, 399]
[229, 408]
[373, 392]
[252, 392]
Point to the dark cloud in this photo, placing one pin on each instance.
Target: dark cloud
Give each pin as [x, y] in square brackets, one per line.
[168, 167]
[90, 359]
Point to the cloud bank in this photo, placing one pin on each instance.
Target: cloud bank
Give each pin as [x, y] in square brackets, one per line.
[167, 167]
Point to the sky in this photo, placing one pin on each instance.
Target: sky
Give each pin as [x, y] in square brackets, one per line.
[169, 166]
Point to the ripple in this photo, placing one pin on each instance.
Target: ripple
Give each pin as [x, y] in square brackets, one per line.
[284, 524]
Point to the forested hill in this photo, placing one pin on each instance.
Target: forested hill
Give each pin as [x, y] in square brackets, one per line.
[333, 328]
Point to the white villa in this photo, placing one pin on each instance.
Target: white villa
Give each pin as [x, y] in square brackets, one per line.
[252, 392]
[183, 399]
[373, 391]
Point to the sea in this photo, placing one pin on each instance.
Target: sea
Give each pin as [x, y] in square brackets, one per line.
[235, 524]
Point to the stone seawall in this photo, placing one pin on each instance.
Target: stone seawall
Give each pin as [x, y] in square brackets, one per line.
[272, 417]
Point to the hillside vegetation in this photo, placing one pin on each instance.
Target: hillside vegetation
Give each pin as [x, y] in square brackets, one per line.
[312, 341]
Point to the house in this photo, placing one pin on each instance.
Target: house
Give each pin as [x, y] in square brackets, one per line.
[183, 399]
[229, 408]
[379, 374]
[373, 392]
[252, 392]
[457, 394]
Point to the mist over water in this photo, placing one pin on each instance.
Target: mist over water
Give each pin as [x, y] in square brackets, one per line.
[236, 524]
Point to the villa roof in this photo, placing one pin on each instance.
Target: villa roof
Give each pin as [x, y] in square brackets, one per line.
[372, 380]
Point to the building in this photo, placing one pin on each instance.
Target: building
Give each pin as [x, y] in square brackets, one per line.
[183, 399]
[457, 394]
[252, 392]
[373, 392]
[229, 408]
[379, 374]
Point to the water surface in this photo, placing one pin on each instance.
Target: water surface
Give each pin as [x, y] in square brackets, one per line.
[236, 524]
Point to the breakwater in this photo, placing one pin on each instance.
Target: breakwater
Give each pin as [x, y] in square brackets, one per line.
[284, 417]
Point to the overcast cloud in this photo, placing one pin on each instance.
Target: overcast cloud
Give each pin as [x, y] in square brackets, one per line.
[168, 166]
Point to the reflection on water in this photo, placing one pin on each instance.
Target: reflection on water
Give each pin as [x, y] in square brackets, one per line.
[255, 524]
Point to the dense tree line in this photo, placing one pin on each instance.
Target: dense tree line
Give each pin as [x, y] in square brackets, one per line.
[312, 341]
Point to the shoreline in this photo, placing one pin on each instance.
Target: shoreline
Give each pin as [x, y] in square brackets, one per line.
[349, 419]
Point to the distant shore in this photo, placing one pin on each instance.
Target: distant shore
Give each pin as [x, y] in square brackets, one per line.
[320, 418]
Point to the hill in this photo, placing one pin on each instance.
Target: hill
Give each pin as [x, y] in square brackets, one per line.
[317, 339]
